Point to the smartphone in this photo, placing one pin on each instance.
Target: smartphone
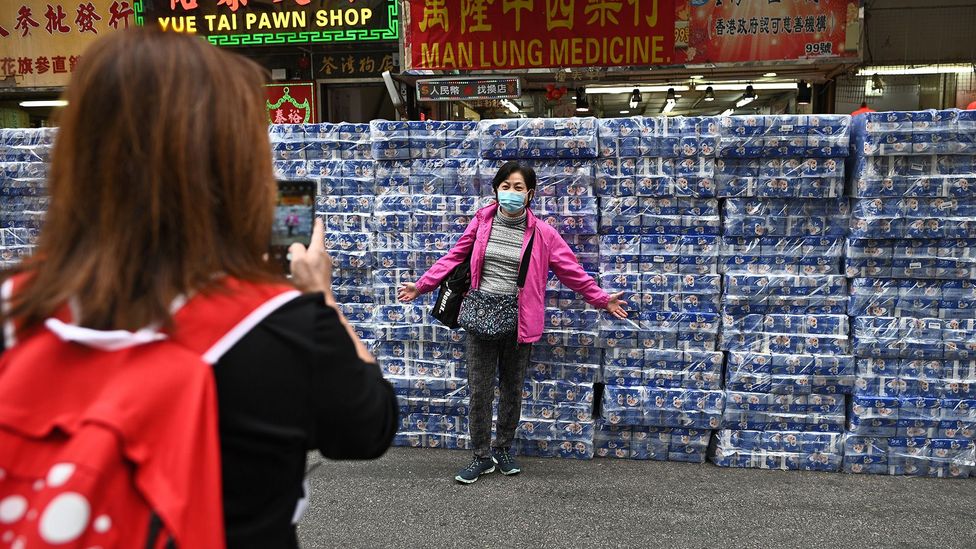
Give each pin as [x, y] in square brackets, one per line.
[293, 220]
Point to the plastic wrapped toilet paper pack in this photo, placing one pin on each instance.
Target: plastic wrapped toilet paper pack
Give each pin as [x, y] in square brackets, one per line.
[786, 450]
[659, 244]
[912, 322]
[651, 443]
[24, 157]
[784, 324]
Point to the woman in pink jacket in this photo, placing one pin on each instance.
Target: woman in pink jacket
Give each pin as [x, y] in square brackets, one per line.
[496, 240]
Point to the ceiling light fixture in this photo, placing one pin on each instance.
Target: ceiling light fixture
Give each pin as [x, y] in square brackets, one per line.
[749, 97]
[764, 86]
[595, 90]
[635, 98]
[709, 94]
[716, 86]
[877, 84]
[769, 75]
[804, 93]
[46, 103]
[582, 105]
[669, 102]
[696, 77]
[957, 68]
[727, 112]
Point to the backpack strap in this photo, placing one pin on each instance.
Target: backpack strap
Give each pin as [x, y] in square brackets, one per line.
[10, 328]
[208, 324]
[9, 332]
[211, 324]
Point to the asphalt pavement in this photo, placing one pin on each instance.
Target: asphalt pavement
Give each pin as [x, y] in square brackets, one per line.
[408, 498]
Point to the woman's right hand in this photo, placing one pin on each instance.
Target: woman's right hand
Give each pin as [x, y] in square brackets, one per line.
[408, 292]
[311, 268]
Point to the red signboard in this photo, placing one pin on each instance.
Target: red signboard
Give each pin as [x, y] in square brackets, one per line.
[733, 31]
[292, 103]
[525, 34]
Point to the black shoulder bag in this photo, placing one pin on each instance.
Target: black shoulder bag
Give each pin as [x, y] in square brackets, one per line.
[491, 316]
[451, 293]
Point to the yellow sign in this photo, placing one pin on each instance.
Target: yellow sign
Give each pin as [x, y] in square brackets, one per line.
[41, 41]
[279, 20]
[236, 23]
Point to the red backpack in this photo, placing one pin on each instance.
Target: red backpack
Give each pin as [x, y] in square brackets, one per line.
[109, 438]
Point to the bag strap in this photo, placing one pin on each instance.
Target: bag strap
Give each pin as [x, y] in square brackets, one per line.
[459, 266]
[524, 265]
[211, 324]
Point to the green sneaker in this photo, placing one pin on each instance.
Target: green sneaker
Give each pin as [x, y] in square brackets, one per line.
[505, 462]
[478, 467]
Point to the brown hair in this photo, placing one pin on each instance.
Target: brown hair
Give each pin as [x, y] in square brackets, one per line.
[160, 178]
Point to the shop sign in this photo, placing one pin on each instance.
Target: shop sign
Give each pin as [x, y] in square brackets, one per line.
[292, 103]
[739, 31]
[525, 34]
[41, 41]
[356, 65]
[455, 89]
[274, 22]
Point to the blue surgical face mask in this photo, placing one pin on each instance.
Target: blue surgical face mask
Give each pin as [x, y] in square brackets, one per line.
[510, 201]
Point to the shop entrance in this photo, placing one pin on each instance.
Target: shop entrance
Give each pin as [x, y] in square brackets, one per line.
[355, 102]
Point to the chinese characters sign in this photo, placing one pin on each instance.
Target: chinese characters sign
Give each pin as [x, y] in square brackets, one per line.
[453, 89]
[41, 41]
[521, 34]
[355, 65]
[292, 103]
[735, 31]
[275, 22]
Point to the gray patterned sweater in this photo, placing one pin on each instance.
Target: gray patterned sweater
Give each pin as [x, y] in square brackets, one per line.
[500, 271]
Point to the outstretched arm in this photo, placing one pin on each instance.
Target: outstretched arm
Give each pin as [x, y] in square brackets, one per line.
[439, 270]
[563, 262]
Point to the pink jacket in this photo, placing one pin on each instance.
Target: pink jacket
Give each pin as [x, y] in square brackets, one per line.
[549, 251]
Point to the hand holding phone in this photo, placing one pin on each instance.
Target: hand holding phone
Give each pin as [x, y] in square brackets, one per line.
[311, 268]
[311, 271]
[294, 212]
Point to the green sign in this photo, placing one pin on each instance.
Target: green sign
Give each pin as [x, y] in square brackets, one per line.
[274, 22]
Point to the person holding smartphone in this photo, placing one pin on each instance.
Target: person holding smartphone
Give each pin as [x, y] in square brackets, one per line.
[497, 240]
[155, 208]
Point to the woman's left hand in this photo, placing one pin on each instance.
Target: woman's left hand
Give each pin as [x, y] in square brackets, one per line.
[616, 305]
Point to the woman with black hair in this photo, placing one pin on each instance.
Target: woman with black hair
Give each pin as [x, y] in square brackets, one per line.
[497, 240]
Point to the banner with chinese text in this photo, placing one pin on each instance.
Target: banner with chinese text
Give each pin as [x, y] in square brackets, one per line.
[525, 34]
[731, 31]
[278, 22]
[456, 89]
[41, 41]
[292, 103]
